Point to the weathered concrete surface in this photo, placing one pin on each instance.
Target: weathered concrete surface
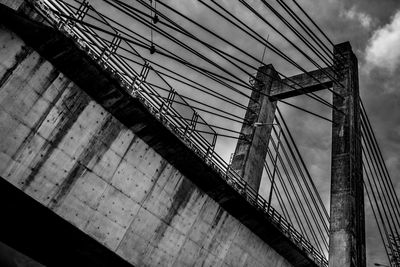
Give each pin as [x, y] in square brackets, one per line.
[249, 157]
[303, 83]
[65, 150]
[347, 233]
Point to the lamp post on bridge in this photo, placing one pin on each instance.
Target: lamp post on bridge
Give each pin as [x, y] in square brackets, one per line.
[258, 124]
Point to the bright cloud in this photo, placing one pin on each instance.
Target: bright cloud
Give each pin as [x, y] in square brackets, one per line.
[383, 49]
[364, 19]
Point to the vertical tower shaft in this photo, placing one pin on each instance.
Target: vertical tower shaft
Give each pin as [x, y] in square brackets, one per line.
[347, 225]
[250, 153]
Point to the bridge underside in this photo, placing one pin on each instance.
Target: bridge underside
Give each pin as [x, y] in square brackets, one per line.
[36, 231]
[101, 86]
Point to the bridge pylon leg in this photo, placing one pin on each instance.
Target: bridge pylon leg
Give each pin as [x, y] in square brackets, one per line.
[347, 222]
[250, 152]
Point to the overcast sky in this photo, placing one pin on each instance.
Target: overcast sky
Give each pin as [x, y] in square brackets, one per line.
[372, 27]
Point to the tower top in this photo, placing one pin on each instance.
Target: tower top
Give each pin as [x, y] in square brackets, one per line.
[342, 47]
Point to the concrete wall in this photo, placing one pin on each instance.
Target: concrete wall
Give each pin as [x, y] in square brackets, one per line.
[63, 149]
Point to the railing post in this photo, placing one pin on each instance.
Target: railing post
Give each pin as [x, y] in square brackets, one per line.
[170, 97]
[82, 10]
[210, 149]
[145, 71]
[80, 13]
[137, 81]
[108, 51]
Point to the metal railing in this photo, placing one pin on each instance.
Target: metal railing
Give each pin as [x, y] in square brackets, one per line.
[170, 109]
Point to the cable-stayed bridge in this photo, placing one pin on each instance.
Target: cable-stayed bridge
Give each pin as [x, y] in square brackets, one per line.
[177, 87]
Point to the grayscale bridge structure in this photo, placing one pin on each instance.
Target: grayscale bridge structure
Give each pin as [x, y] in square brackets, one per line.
[99, 167]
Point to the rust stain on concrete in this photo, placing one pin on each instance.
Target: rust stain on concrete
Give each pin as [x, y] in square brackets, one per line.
[96, 147]
[180, 200]
[19, 57]
[58, 134]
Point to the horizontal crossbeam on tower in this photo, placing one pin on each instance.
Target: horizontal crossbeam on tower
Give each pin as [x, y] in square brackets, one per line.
[306, 83]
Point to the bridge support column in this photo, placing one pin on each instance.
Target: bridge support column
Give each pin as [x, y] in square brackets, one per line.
[249, 156]
[347, 226]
